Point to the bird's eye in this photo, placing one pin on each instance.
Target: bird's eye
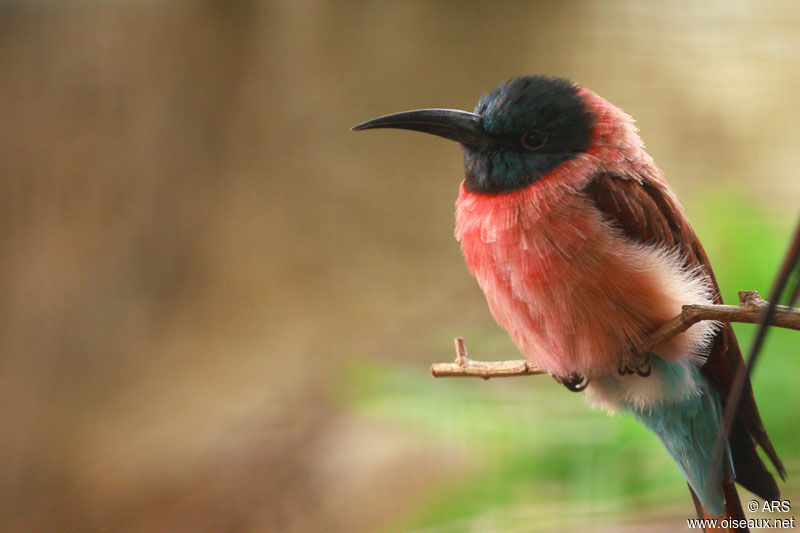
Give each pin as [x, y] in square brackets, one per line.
[533, 139]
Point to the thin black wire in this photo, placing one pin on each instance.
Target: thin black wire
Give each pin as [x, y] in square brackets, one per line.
[796, 292]
[790, 263]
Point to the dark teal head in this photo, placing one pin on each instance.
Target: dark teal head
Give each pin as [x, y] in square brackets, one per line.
[519, 132]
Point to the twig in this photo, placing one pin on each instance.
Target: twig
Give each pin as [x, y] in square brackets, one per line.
[464, 366]
[750, 310]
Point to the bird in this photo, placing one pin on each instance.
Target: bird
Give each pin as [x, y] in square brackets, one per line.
[582, 250]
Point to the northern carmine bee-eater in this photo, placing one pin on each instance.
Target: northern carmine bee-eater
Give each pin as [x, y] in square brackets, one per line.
[582, 250]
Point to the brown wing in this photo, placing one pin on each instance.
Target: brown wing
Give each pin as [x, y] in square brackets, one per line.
[647, 211]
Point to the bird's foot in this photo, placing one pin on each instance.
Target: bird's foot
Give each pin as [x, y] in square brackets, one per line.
[639, 367]
[573, 382]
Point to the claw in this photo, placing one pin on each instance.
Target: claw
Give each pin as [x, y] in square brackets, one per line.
[642, 370]
[573, 382]
[624, 370]
[645, 369]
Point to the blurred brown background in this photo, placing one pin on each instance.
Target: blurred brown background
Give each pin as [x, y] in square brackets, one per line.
[196, 252]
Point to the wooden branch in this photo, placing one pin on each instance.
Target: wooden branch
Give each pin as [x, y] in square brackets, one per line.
[466, 367]
[750, 310]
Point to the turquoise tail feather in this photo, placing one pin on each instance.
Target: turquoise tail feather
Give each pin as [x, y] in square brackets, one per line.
[687, 427]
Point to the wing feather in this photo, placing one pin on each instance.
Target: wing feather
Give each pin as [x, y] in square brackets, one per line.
[646, 210]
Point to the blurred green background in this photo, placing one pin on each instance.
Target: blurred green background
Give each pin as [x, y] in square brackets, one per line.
[219, 305]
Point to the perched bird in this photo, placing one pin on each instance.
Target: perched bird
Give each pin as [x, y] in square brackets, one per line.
[582, 250]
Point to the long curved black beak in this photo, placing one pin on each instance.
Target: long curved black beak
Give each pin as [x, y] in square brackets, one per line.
[459, 126]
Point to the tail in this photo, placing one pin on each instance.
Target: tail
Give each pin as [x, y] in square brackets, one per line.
[733, 511]
[687, 427]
